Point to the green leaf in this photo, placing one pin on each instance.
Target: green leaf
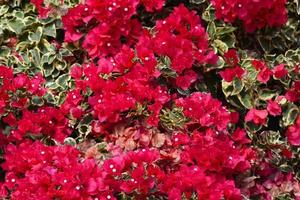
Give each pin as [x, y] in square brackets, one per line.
[298, 6]
[51, 58]
[3, 9]
[48, 58]
[36, 37]
[227, 88]
[36, 57]
[65, 52]
[50, 30]
[37, 101]
[22, 46]
[238, 86]
[84, 129]
[29, 20]
[4, 51]
[183, 92]
[289, 115]
[44, 58]
[48, 69]
[197, 1]
[220, 46]
[62, 80]
[70, 141]
[60, 65]
[245, 99]
[211, 29]
[16, 25]
[224, 30]
[266, 94]
[221, 63]
[51, 85]
[18, 14]
[208, 15]
[61, 98]
[251, 127]
[229, 40]
[50, 98]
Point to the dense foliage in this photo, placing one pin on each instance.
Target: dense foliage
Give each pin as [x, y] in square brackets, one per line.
[150, 99]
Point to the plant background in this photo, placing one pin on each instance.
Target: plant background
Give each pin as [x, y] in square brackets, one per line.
[31, 45]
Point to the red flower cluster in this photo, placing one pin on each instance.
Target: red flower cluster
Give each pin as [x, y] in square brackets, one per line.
[17, 92]
[264, 72]
[208, 155]
[12, 89]
[254, 14]
[36, 171]
[115, 32]
[182, 38]
[137, 82]
[107, 25]
[112, 97]
[234, 71]
[127, 94]
[259, 117]
[205, 110]
[42, 9]
[293, 94]
[293, 133]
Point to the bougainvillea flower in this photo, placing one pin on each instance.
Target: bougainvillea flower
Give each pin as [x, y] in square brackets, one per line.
[273, 108]
[293, 133]
[279, 71]
[230, 73]
[231, 57]
[264, 75]
[254, 14]
[258, 117]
